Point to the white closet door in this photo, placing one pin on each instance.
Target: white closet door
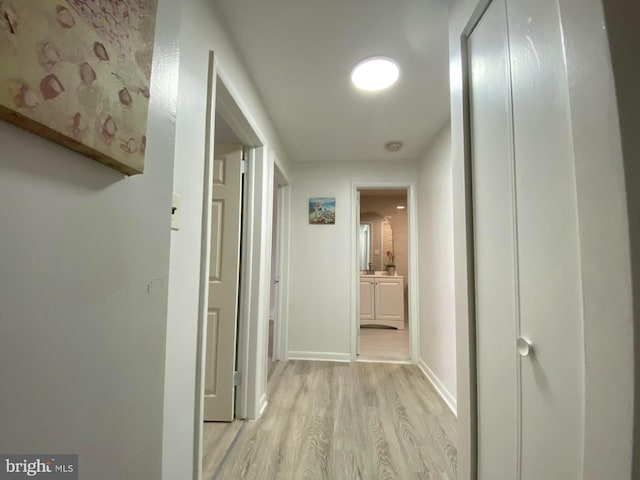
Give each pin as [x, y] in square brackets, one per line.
[530, 409]
[494, 237]
[550, 285]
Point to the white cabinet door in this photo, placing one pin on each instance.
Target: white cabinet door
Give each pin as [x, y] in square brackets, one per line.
[389, 299]
[367, 306]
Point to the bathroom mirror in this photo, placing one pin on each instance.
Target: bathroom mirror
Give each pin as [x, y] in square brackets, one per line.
[376, 239]
[365, 245]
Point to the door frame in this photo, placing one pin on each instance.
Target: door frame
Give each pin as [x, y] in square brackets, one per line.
[283, 226]
[412, 274]
[469, 429]
[251, 398]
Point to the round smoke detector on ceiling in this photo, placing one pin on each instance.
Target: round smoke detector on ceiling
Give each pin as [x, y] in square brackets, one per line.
[393, 146]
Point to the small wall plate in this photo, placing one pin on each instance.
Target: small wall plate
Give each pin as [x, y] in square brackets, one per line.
[176, 212]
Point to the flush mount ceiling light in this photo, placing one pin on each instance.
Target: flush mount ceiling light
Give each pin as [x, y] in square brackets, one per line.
[400, 207]
[375, 73]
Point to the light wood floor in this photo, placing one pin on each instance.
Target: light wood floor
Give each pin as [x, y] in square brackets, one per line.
[378, 343]
[343, 421]
[218, 437]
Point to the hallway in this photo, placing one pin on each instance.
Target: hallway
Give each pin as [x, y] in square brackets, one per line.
[339, 421]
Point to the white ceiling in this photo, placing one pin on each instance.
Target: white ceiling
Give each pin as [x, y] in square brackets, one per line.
[300, 54]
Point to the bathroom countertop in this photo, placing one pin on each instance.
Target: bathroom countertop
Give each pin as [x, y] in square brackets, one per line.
[379, 274]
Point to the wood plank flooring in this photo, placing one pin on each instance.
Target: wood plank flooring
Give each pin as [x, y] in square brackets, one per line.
[341, 421]
[216, 441]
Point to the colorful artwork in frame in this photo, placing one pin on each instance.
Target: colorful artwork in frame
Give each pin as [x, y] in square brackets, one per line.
[77, 72]
[322, 210]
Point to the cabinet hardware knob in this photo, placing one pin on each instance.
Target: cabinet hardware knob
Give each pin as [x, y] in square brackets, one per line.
[524, 346]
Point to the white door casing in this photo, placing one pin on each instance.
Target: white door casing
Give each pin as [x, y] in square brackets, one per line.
[224, 268]
[412, 277]
[528, 283]
[283, 193]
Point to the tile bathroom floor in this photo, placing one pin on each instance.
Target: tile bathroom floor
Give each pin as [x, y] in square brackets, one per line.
[379, 343]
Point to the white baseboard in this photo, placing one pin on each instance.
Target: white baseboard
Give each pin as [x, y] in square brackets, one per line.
[320, 356]
[394, 362]
[446, 396]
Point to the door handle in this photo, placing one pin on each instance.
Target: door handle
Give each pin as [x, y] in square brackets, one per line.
[524, 347]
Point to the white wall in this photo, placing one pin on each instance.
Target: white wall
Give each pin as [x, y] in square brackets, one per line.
[437, 295]
[604, 217]
[321, 266]
[82, 341]
[606, 162]
[202, 30]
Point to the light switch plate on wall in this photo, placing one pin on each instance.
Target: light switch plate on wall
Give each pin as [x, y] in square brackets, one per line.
[176, 212]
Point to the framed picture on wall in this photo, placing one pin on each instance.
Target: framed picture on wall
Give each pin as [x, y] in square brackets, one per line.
[78, 72]
[322, 210]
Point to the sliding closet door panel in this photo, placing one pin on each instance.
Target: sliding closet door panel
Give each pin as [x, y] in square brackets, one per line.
[547, 232]
[493, 210]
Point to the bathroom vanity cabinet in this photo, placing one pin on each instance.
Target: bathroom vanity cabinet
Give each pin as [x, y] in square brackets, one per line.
[382, 300]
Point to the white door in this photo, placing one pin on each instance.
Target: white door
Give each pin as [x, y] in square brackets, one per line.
[272, 350]
[224, 271]
[530, 407]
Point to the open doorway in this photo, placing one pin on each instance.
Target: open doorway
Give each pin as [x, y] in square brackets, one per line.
[383, 258]
[230, 383]
[274, 304]
[223, 241]
[277, 329]
[224, 282]
[230, 122]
